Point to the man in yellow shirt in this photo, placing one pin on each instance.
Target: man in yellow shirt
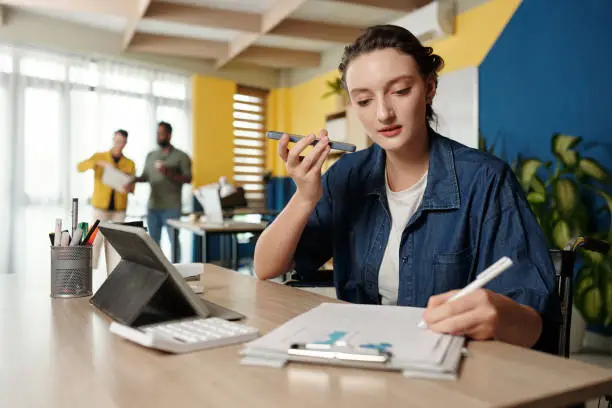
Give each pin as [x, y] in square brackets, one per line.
[108, 204]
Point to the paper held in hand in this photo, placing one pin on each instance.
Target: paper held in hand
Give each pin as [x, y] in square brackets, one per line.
[116, 179]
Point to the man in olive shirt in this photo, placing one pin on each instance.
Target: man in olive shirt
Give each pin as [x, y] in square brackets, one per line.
[166, 170]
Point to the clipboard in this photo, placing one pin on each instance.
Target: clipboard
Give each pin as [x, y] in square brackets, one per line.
[360, 336]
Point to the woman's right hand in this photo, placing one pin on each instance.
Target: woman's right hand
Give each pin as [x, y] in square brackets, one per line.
[306, 171]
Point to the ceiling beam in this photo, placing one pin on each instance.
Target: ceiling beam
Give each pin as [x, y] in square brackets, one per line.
[398, 5]
[140, 8]
[317, 31]
[121, 8]
[204, 16]
[177, 46]
[206, 49]
[280, 57]
[279, 11]
[248, 22]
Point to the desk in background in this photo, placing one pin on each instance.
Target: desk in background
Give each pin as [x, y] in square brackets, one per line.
[204, 230]
[60, 353]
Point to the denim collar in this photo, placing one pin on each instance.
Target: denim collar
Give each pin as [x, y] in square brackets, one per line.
[442, 191]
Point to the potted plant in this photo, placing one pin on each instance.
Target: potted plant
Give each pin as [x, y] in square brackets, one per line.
[335, 88]
[559, 193]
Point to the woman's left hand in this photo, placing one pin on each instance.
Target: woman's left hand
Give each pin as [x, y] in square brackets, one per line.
[484, 315]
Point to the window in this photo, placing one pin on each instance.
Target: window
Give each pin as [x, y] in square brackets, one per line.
[6, 63]
[42, 136]
[40, 66]
[249, 128]
[57, 110]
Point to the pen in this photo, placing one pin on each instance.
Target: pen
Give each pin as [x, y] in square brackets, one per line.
[87, 238]
[58, 232]
[485, 277]
[76, 238]
[65, 240]
[84, 228]
[75, 215]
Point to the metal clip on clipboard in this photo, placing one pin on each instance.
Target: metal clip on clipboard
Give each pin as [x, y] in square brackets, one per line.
[340, 353]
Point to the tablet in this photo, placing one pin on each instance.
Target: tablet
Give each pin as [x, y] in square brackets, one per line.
[145, 287]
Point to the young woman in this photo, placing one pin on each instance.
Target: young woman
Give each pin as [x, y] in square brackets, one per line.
[416, 216]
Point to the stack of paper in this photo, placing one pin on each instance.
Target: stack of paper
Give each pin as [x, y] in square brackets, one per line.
[416, 352]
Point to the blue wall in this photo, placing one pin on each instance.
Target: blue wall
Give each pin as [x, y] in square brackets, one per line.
[549, 71]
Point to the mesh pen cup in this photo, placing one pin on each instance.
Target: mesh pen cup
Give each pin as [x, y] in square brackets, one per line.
[71, 271]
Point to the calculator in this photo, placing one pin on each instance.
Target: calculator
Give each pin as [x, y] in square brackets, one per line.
[183, 336]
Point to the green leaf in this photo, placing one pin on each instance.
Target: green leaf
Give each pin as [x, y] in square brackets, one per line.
[527, 172]
[592, 256]
[585, 279]
[563, 143]
[538, 185]
[536, 198]
[593, 169]
[562, 147]
[608, 198]
[565, 195]
[561, 234]
[592, 304]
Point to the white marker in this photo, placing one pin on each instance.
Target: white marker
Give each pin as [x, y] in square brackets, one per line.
[58, 232]
[482, 279]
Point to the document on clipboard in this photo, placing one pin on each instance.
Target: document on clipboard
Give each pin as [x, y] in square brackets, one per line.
[116, 178]
[370, 336]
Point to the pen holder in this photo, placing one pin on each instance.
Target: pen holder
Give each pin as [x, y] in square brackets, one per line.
[71, 271]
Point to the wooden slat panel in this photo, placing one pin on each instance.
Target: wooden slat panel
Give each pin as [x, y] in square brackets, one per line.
[257, 170]
[399, 5]
[239, 151]
[317, 31]
[162, 44]
[204, 16]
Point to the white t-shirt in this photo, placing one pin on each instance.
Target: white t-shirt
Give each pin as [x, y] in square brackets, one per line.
[402, 206]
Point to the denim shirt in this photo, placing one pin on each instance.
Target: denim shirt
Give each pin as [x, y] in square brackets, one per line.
[473, 212]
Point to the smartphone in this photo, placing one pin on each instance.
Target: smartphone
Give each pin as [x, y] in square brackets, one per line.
[347, 147]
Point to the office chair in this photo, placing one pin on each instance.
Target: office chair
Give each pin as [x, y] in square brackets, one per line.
[564, 261]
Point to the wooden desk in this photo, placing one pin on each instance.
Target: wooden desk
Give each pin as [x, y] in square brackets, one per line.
[60, 353]
[203, 229]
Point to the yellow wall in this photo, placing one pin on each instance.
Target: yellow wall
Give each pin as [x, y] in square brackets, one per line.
[212, 129]
[476, 30]
[308, 110]
[278, 118]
